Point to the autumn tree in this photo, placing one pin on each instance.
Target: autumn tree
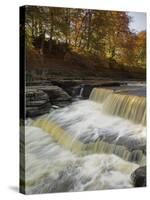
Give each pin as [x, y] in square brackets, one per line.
[140, 49]
[102, 33]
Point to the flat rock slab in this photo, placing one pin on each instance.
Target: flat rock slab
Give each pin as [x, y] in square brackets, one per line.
[135, 89]
[73, 87]
[37, 102]
[38, 110]
[38, 82]
[35, 96]
[54, 93]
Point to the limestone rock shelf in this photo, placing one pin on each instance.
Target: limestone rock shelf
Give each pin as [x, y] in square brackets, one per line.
[39, 99]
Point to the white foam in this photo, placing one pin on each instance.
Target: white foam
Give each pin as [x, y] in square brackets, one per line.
[50, 168]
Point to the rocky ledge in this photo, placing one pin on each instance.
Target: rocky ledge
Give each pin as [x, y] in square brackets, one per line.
[54, 93]
[73, 87]
[39, 99]
[37, 102]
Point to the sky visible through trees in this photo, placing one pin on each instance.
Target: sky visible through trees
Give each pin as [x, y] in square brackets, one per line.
[105, 34]
[138, 22]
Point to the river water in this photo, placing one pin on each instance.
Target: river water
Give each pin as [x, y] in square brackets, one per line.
[51, 168]
[81, 147]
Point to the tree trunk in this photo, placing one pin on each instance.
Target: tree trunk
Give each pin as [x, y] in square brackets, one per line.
[89, 28]
[77, 35]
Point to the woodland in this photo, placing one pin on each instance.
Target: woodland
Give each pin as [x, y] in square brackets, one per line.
[83, 37]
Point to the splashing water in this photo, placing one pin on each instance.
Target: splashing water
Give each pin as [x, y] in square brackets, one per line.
[76, 148]
[123, 105]
[51, 168]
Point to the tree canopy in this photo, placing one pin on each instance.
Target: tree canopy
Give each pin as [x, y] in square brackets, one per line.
[105, 34]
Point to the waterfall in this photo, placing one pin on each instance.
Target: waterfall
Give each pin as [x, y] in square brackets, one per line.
[83, 147]
[129, 107]
[99, 94]
[80, 92]
[51, 168]
[126, 106]
[87, 132]
[88, 145]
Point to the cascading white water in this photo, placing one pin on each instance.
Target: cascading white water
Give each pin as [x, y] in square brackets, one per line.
[76, 148]
[123, 105]
[51, 168]
[99, 94]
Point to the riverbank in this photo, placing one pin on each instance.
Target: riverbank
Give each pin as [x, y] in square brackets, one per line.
[74, 66]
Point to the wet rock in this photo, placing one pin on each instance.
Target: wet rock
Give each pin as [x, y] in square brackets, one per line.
[128, 148]
[73, 87]
[37, 102]
[38, 82]
[139, 147]
[54, 93]
[138, 177]
[131, 143]
[69, 86]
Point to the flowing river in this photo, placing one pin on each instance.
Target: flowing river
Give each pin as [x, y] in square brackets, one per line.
[89, 145]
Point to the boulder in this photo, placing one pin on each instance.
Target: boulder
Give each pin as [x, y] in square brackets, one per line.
[37, 102]
[138, 177]
[67, 86]
[54, 93]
